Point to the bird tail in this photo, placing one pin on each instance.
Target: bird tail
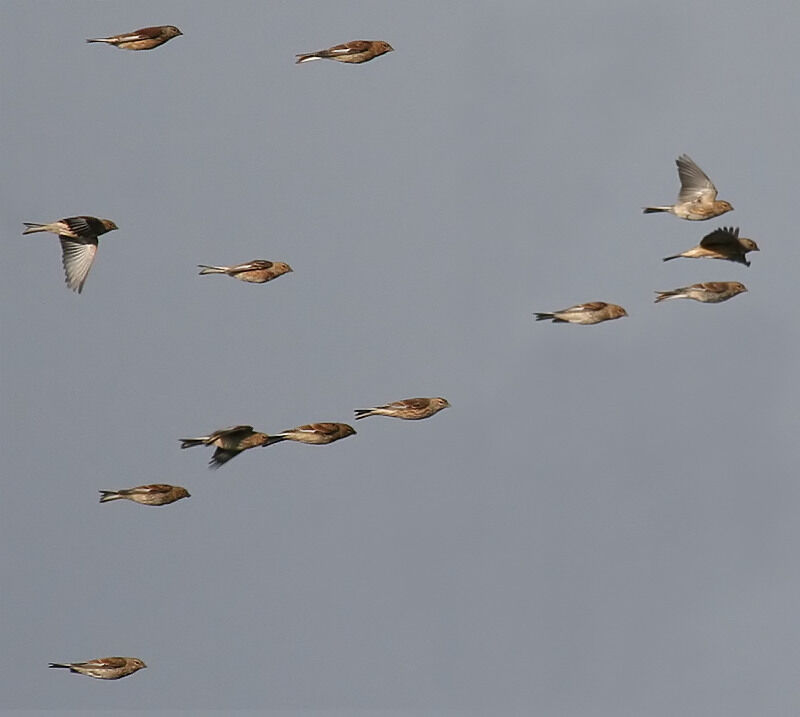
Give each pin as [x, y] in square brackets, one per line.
[212, 269]
[31, 227]
[543, 316]
[274, 439]
[664, 295]
[308, 57]
[189, 442]
[670, 258]
[653, 210]
[59, 664]
[101, 39]
[363, 413]
[107, 495]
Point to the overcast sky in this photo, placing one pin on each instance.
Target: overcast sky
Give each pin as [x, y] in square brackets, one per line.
[605, 523]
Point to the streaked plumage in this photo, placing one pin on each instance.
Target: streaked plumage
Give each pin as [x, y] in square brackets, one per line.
[145, 38]
[78, 237]
[257, 271]
[104, 668]
[724, 243]
[697, 199]
[154, 494]
[354, 52]
[314, 433]
[409, 409]
[711, 292]
[229, 442]
[590, 313]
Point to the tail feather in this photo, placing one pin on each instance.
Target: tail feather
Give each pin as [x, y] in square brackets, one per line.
[59, 664]
[310, 57]
[211, 269]
[664, 295]
[101, 39]
[107, 495]
[363, 413]
[653, 210]
[274, 439]
[670, 258]
[32, 227]
[189, 442]
[543, 316]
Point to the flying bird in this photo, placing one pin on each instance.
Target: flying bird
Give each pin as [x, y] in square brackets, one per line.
[78, 237]
[229, 442]
[104, 668]
[712, 292]
[697, 199]
[409, 409]
[155, 494]
[724, 243]
[316, 434]
[354, 52]
[257, 271]
[145, 38]
[592, 313]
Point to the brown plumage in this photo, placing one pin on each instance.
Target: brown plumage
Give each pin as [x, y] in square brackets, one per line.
[78, 237]
[145, 38]
[697, 199]
[591, 313]
[724, 243]
[354, 52]
[230, 442]
[154, 494]
[257, 271]
[409, 409]
[711, 292]
[316, 434]
[104, 668]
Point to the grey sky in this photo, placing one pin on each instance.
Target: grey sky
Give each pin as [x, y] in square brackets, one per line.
[605, 521]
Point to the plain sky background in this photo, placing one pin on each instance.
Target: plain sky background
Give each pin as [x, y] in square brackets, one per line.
[605, 523]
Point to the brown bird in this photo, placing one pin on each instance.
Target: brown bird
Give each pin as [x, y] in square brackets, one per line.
[78, 237]
[145, 38]
[314, 433]
[354, 52]
[104, 668]
[410, 409]
[697, 199]
[257, 271]
[230, 442]
[712, 292]
[155, 494]
[724, 243]
[592, 313]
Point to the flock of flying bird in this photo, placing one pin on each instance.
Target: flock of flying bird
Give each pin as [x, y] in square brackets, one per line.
[697, 201]
[78, 236]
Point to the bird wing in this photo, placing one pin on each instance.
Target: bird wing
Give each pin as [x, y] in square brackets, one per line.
[144, 33]
[413, 403]
[153, 489]
[85, 227]
[230, 437]
[77, 256]
[695, 184]
[255, 265]
[348, 48]
[104, 662]
[586, 308]
[723, 237]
